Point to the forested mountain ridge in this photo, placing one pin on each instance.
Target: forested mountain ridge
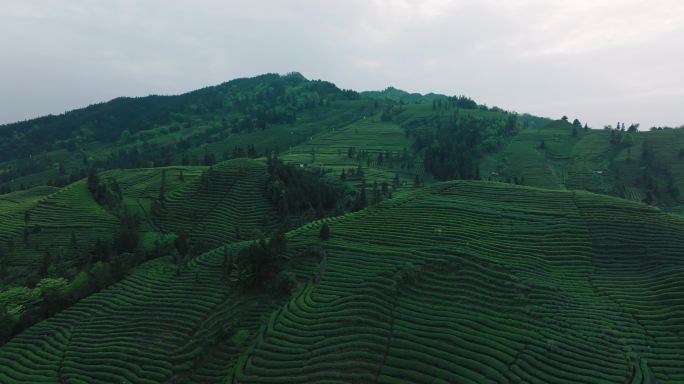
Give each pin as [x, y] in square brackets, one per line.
[240, 104]
[165, 130]
[446, 138]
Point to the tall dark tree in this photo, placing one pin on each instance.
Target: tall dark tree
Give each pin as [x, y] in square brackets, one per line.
[376, 193]
[93, 182]
[128, 237]
[4, 260]
[162, 187]
[396, 182]
[324, 232]
[361, 200]
[181, 244]
[7, 324]
[45, 263]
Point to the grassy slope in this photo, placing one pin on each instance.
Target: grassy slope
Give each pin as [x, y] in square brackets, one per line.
[513, 284]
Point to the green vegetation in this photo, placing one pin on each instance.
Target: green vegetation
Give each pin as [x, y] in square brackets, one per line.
[636, 165]
[490, 282]
[267, 113]
[278, 229]
[226, 203]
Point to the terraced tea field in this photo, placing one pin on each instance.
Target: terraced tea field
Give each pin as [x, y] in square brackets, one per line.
[150, 327]
[141, 188]
[329, 150]
[588, 161]
[524, 158]
[510, 285]
[233, 200]
[467, 282]
[43, 219]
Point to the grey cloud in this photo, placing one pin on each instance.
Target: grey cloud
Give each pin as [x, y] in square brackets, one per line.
[597, 60]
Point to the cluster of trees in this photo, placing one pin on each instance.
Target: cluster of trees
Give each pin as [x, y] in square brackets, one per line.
[107, 193]
[390, 111]
[386, 158]
[22, 307]
[237, 152]
[652, 171]
[295, 191]
[66, 275]
[451, 147]
[145, 155]
[621, 137]
[454, 102]
[259, 265]
[22, 167]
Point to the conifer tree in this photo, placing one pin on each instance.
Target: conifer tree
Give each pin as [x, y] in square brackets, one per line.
[324, 233]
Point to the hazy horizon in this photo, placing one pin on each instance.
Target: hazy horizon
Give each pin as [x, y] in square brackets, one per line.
[598, 61]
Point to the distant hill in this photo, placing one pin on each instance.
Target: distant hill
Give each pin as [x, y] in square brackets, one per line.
[314, 123]
[643, 166]
[391, 93]
[456, 282]
[269, 112]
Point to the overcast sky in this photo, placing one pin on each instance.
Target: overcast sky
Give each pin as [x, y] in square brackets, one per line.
[601, 61]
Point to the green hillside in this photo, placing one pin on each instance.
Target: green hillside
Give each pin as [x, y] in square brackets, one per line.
[640, 165]
[268, 113]
[382, 144]
[57, 246]
[456, 282]
[231, 203]
[280, 229]
[393, 136]
[43, 220]
[358, 144]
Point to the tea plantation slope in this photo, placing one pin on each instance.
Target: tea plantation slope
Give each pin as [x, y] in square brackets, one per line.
[638, 263]
[231, 202]
[475, 282]
[331, 150]
[629, 165]
[156, 324]
[43, 219]
[468, 282]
